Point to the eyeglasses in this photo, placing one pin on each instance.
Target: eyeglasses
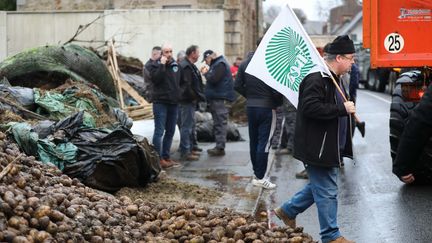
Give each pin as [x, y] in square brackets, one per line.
[352, 58]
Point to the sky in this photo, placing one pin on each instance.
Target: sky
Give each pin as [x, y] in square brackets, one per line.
[310, 7]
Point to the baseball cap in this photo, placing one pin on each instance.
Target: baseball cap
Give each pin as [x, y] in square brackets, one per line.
[206, 54]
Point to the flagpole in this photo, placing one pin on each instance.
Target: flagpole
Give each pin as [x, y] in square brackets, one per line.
[323, 64]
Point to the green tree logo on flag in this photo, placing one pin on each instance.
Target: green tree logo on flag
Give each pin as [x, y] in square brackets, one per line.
[287, 58]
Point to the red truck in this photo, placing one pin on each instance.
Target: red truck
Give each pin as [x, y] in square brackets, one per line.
[398, 35]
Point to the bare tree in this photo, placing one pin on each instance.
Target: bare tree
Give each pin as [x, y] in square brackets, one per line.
[300, 15]
[323, 9]
[271, 13]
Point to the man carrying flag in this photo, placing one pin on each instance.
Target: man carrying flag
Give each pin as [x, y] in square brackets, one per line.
[288, 62]
[321, 119]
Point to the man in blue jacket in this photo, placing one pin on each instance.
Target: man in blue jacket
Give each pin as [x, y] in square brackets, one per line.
[219, 93]
[322, 137]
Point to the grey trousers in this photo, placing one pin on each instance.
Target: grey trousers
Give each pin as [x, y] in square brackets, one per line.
[275, 140]
[219, 111]
[287, 140]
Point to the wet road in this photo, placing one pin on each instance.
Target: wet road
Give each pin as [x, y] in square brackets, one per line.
[374, 206]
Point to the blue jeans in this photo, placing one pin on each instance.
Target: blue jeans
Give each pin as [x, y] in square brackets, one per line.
[187, 123]
[260, 123]
[165, 118]
[322, 189]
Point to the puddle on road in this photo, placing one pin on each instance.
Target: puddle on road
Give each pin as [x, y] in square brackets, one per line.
[237, 191]
[233, 184]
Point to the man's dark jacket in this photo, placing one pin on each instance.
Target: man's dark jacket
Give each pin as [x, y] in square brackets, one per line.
[219, 85]
[165, 79]
[191, 84]
[257, 93]
[414, 138]
[147, 80]
[316, 139]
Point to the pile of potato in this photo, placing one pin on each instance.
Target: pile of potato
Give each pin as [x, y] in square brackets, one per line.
[40, 204]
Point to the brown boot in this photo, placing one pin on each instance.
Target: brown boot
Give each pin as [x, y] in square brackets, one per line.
[195, 153]
[282, 216]
[165, 164]
[174, 163]
[341, 240]
[190, 157]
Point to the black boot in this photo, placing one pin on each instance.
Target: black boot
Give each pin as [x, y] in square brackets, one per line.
[216, 151]
[361, 126]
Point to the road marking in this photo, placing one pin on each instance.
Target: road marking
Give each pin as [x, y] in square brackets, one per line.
[377, 97]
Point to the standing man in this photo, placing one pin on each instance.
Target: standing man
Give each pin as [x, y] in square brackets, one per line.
[322, 133]
[165, 76]
[219, 93]
[234, 68]
[261, 102]
[353, 86]
[191, 87]
[155, 56]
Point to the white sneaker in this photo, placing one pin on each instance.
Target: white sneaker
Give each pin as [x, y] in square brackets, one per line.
[264, 183]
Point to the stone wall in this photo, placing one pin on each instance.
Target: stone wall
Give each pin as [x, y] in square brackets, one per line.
[242, 18]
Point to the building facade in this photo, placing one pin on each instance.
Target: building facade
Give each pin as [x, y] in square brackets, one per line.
[343, 15]
[242, 18]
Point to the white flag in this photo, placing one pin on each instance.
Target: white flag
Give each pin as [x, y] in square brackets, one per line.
[285, 56]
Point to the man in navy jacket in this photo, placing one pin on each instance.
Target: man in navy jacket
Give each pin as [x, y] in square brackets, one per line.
[219, 93]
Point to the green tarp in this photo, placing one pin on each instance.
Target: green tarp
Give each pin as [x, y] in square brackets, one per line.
[47, 151]
[59, 106]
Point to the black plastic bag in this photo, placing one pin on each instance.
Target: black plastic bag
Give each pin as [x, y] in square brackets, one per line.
[111, 161]
[205, 132]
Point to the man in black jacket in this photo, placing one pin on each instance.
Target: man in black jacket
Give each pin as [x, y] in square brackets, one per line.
[322, 133]
[155, 56]
[261, 102]
[165, 76]
[191, 87]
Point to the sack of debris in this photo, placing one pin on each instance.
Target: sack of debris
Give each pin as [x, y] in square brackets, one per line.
[205, 131]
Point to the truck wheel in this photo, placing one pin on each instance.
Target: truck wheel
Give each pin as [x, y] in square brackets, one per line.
[381, 85]
[383, 77]
[400, 112]
[371, 80]
[392, 81]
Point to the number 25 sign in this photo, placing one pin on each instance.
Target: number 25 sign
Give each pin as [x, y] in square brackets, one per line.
[394, 43]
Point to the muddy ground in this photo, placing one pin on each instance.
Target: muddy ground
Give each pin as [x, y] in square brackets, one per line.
[171, 191]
